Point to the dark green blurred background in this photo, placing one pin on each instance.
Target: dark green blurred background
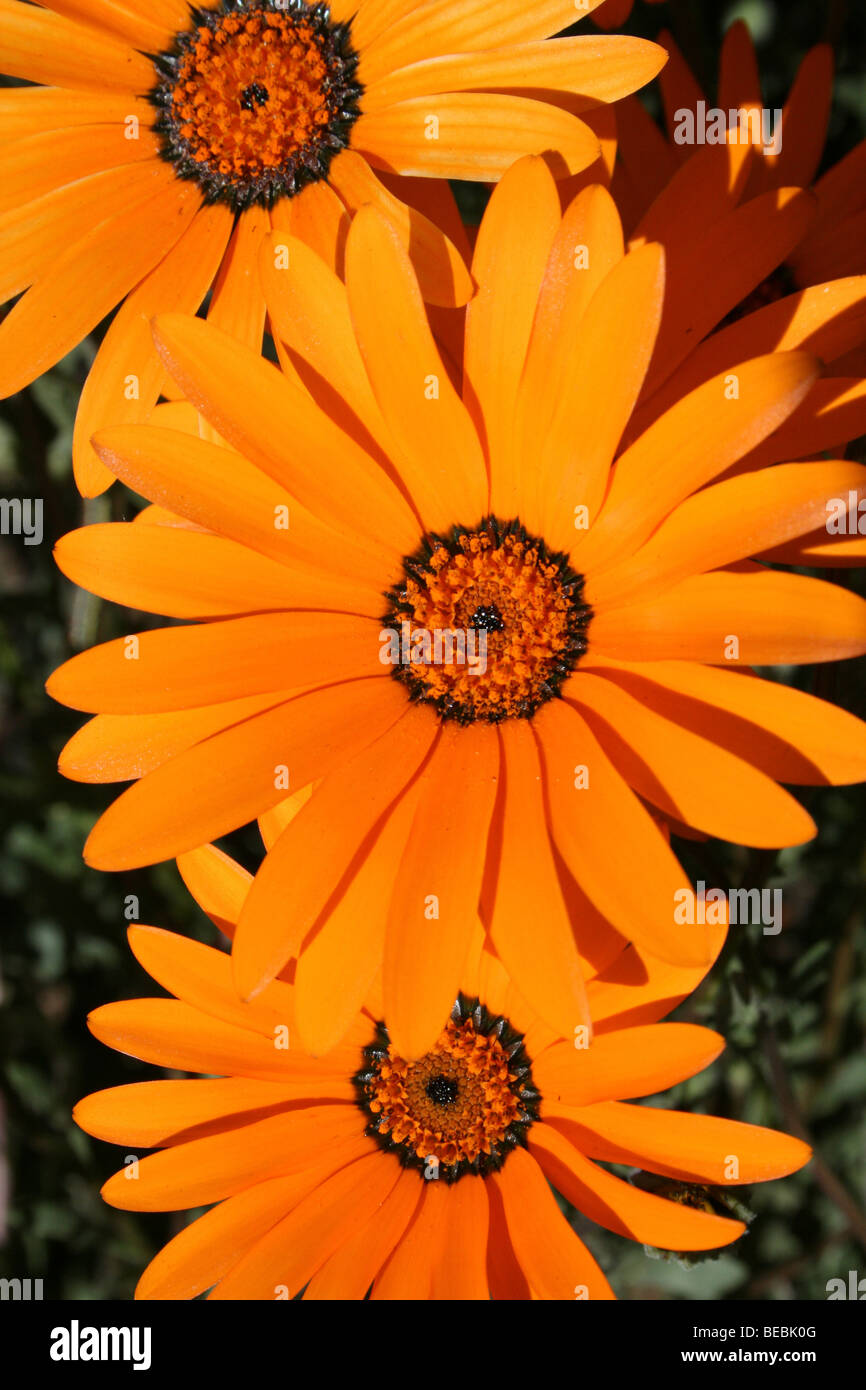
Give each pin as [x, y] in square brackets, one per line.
[793, 1007]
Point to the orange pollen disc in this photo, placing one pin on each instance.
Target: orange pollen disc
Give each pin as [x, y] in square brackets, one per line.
[490, 623]
[255, 101]
[250, 93]
[460, 1108]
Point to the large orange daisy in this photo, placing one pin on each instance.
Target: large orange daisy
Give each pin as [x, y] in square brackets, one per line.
[833, 243]
[410, 1179]
[166, 141]
[725, 257]
[614, 588]
[759, 256]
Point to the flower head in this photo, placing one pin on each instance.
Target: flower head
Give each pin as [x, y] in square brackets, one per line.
[615, 569]
[367, 1174]
[162, 145]
[773, 149]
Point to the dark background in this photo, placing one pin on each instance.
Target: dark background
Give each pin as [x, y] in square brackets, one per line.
[792, 1007]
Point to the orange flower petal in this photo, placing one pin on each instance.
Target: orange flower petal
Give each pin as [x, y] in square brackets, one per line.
[437, 885]
[39, 163]
[478, 135]
[217, 882]
[628, 1210]
[830, 411]
[349, 1272]
[688, 776]
[202, 976]
[120, 747]
[460, 1273]
[689, 446]
[555, 1261]
[309, 312]
[789, 735]
[127, 356]
[441, 461]
[179, 667]
[189, 574]
[317, 217]
[290, 888]
[442, 274]
[543, 958]
[278, 427]
[169, 1033]
[765, 231]
[775, 618]
[805, 119]
[826, 320]
[289, 1254]
[219, 490]
[206, 1170]
[511, 252]
[623, 1065]
[26, 111]
[408, 1275]
[739, 77]
[505, 1277]
[640, 902]
[338, 968]
[598, 69]
[151, 1114]
[606, 361]
[438, 28]
[231, 778]
[90, 276]
[199, 1255]
[586, 247]
[636, 988]
[691, 1148]
[730, 521]
[151, 33]
[51, 49]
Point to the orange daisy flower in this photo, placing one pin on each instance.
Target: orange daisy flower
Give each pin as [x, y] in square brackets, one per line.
[167, 140]
[742, 230]
[832, 243]
[702, 220]
[424, 1179]
[614, 589]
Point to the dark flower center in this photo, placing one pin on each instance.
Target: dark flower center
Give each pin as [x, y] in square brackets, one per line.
[491, 622]
[254, 95]
[256, 98]
[487, 619]
[442, 1090]
[462, 1107]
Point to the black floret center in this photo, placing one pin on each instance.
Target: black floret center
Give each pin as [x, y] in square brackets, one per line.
[442, 1090]
[254, 95]
[487, 618]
